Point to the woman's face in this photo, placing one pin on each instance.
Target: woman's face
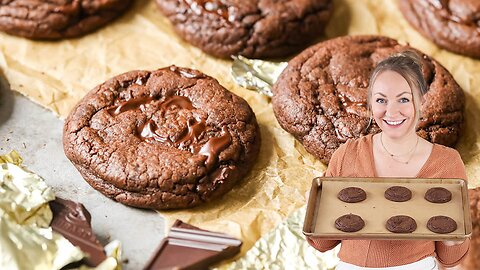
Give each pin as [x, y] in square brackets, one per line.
[392, 105]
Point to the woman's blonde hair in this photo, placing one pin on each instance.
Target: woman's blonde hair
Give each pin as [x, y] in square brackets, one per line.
[409, 65]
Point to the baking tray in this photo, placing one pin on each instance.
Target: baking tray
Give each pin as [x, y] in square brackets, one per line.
[324, 208]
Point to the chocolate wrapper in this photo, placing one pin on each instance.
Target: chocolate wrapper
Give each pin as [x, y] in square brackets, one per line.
[24, 194]
[255, 74]
[26, 239]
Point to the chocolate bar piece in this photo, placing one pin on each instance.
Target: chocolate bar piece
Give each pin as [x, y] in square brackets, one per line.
[188, 247]
[72, 220]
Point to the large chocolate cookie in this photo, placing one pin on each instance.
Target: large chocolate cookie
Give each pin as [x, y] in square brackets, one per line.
[170, 138]
[320, 97]
[56, 19]
[438, 195]
[349, 223]
[352, 195]
[252, 28]
[398, 194]
[441, 224]
[401, 224]
[451, 24]
[472, 262]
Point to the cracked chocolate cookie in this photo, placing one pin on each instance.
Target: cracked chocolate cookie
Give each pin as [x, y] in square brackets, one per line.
[401, 224]
[170, 138]
[441, 224]
[252, 28]
[451, 24]
[57, 19]
[320, 97]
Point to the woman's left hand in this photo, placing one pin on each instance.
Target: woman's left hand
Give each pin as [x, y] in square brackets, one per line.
[453, 243]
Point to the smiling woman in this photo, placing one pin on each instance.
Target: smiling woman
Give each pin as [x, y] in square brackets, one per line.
[395, 96]
[396, 91]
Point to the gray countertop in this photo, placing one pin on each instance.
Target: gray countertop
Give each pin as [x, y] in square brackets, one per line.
[36, 134]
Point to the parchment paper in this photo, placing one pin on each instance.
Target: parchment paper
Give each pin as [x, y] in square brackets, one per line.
[58, 74]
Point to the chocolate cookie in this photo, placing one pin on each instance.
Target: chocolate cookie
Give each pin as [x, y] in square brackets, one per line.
[398, 194]
[473, 257]
[352, 195]
[251, 28]
[170, 138]
[37, 19]
[401, 224]
[453, 25]
[320, 97]
[438, 195]
[441, 224]
[349, 223]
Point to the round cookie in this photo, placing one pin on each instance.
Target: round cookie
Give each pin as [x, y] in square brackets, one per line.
[352, 195]
[252, 28]
[170, 138]
[401, 224]
[349, 223]
[441, 224]
[438, 195]
[320, 97]
[453, 25]
[398, 194]
[37, 19]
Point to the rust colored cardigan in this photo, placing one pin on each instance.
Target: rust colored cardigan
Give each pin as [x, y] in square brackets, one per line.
[355, 159]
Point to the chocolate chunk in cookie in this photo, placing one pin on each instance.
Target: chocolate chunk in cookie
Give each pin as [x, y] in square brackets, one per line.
[438, 195]
[352, 195]
[251, 28]
[39, 19]
[349, 223]
[398, 194]
[170, 138]
[401, 224]
[452, 25]
[441, 224]
[321, 96]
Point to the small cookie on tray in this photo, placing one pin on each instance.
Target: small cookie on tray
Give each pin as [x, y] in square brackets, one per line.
[349, 223]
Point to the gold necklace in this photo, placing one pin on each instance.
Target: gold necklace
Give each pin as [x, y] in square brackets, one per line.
[411, 152]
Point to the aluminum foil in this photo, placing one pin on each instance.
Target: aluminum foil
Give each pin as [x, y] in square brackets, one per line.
[24, 195]
[285, 248]
[26, 239]
[257, 75]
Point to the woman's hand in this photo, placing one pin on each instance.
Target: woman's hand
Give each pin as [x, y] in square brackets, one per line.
[452, 243]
